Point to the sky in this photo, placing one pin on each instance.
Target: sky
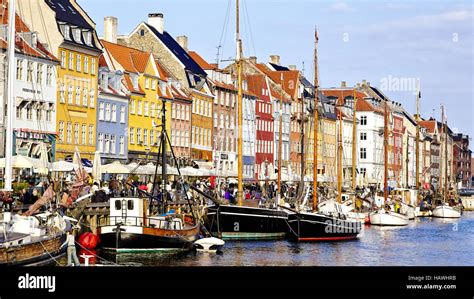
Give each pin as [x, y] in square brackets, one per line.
[391, 44]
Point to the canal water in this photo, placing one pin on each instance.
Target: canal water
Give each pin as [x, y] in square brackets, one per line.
[424, 242]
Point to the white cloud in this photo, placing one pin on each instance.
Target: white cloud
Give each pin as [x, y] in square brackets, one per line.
[340, 7]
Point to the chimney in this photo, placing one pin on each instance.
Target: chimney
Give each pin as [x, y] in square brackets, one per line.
[110, 29]
[253, 59]
[183, 42]
[156, 20]
[358, 86]
[343, 84]
[292, 67]
[275, 59]
[364, 82]
[368, 83]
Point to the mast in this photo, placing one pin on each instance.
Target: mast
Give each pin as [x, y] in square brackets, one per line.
[163, 151]
[301, 191]
[441, 137]
[385, 152]
[417, 154]
[354, 143]
[339, 156]
[316, 120]
[240, 168]
[10, 101]
[280, 141]
[445, 155]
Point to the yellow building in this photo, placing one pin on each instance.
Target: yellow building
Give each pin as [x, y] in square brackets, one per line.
[145, 79]
[72, 38]
[201, 125]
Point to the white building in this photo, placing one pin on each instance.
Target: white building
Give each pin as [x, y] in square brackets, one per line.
[34, 121]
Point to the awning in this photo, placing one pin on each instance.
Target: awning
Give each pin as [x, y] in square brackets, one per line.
[204, 165]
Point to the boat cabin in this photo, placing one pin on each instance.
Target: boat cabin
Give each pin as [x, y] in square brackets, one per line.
[408, 196]
[133, 211]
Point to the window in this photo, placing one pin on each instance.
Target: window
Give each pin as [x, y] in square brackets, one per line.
[71, 60]
[152, 110]
[153, 84]
[132, 106]
[145, 136]
[69, 95]
[76, 133]
[132, 135]
[49, 75]
[363, 120]
[122, 145]
[19, 69]
[77, 35]
[107, 143]
[139, 108]
[114, 113]
[39, 73]
[173, 111]
[86, 64]
[91, 134]
[61, 93]
[67, 32]
[100, 140]
[187, 113]
[363, 153]
[39, 113]
[142, 32]
[93, 71]
[78, 95]
[152, 136]
[363, 136]
[363, 171]
[85, 92]
[92, 98]
[215, 119]
[78, 62]
[19, 112]
[63, 59]
[84, 134]
[145, 108]
[61, 131]
[147, 83]
[122, 114]
[29, 72]
[107, 111]
[68, 132]
[101, 110]
[88, 38]
[139, 136]
[221, 122]
[112, 144]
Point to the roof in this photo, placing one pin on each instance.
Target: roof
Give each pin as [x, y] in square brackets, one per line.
[256, 83]
[288, 77]
[277, 67]
[179, 93]
[163, 74]
[66, 12]
[202, 63]
[21, 46]
[178, 51]
[129, 84]
[132, 60]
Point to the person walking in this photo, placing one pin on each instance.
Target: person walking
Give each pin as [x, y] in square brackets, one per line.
[71, 248]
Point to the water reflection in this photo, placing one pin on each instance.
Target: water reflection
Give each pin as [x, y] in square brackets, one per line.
[424, 242]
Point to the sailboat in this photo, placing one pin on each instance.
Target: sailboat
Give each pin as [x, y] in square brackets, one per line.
[133, 227]
[238, 221]
[385, 216]
[326, 221]
[32, 238]
[444, 210]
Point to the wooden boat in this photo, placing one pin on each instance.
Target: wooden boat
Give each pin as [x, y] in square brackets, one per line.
[24, 241]
[385, 217]
[130, 228]
[446, 211]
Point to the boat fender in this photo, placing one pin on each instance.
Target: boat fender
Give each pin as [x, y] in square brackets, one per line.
[89, 240]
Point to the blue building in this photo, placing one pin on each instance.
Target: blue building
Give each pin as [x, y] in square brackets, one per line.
[112, 116]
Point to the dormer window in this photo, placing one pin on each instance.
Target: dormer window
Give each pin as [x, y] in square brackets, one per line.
[67, 32]
[88, 37]
[135, 81]
[34, 39]
[77, 35]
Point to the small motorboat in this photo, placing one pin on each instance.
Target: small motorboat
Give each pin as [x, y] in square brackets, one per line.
[209, 245]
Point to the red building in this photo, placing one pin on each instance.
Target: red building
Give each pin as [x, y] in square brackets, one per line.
[264, 156]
